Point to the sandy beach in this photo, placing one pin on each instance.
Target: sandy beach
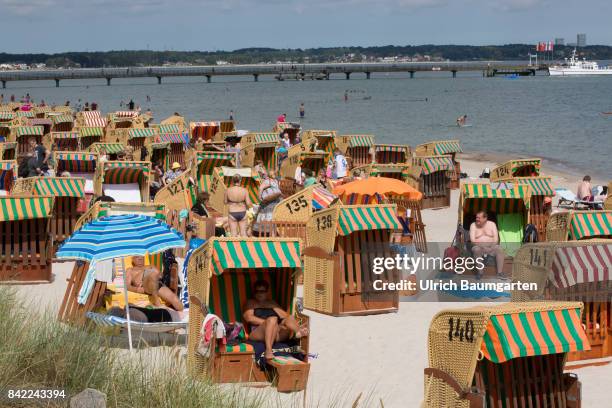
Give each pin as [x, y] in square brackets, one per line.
[382, 356]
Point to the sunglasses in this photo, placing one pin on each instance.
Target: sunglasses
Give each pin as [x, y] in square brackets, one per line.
[261, 291]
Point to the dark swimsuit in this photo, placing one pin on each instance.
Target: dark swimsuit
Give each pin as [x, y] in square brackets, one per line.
[237, 215]
[265, 312]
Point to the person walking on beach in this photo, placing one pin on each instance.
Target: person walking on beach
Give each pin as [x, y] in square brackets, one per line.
[302, 110]
[238, 202]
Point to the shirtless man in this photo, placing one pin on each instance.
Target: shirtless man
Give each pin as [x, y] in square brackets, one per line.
[145, 279]
[269, 322]
[238, 202]
[485, 240]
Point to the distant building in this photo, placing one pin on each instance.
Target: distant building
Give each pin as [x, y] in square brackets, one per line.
[559, 41]
[581, 40]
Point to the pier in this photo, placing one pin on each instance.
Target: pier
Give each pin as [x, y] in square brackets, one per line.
[279, 71]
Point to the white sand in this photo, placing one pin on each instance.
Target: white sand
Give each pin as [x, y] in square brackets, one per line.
[380, 356]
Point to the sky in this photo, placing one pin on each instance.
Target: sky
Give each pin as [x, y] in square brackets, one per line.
[208, 25]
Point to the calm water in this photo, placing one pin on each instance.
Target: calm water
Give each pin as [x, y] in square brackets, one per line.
[556, 118]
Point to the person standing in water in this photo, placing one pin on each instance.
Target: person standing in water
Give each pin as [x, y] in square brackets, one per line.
[461, 120]
[345, 96]
[302, 110]
[231, 115]
[131, 104]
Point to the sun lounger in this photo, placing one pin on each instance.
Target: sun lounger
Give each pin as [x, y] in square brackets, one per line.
[568, 199]
[104, 320]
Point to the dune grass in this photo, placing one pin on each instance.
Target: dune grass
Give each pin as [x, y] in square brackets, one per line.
[37, 351]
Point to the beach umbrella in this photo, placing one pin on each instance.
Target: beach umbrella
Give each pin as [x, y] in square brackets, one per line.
[374, 190]
[117, 236]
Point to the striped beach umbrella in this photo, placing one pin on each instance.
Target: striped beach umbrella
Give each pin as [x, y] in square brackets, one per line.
[117, 236]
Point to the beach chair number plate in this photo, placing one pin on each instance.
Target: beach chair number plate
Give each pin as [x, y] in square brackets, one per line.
[324, 222]
[501, 172]
[463, 332]
[296, 205]
[538, 257]
[176, 188]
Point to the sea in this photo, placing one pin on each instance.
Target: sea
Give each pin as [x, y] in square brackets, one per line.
[559, 119]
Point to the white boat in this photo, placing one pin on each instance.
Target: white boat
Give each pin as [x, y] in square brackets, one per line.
[575, 66]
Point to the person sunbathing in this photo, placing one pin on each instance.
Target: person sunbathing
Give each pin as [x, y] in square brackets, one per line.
[146, 279]
[269, 322]
[485, 239]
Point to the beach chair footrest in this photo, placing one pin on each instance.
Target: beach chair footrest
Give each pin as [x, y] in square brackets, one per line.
[290, 374]
[233, 367]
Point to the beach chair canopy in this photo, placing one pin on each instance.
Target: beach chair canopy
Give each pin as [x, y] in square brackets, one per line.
[93, 119]
[50, 186]
[25, 114]
[374, 190]
[62, 119]
[176, 137]
[7, 115]
[426, 165]
[342, 220]
[40, 122]
[91, 131]
[105, 209]
[126, 172]
[168, 128]
[64, 135]
[77, 162]
[439, 147]
[517, 168]
[144, 132]
[29, 131]
[357, 140]
[499, 198]
[388, 153]
[589, 224]
[540, 186]
[575, 225]
[459, 338]
[109, 148]
[25, 208]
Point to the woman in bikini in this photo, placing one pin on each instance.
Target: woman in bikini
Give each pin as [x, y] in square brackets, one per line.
[269, 322]
[238, 202]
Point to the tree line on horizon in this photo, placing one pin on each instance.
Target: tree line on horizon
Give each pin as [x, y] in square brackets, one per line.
[315, 55]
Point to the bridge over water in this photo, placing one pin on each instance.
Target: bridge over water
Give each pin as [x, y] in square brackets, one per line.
[280, 71]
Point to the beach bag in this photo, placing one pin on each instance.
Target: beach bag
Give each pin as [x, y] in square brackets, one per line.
[531, 234]
[453, 252]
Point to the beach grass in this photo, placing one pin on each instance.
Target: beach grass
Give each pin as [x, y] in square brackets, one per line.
[37, 351]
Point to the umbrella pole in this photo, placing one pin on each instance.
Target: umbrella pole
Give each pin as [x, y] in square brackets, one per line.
[127, 307]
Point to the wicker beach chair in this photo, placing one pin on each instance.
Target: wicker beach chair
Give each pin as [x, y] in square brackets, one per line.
[67, 191]
[578, 225]
[431, 175]
[221, 274]
[342, 243]
[501, 356]
[25, 239]
[576, 271]
[442, 148]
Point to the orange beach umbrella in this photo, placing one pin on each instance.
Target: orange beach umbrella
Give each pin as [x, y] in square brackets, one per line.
[373, 189]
